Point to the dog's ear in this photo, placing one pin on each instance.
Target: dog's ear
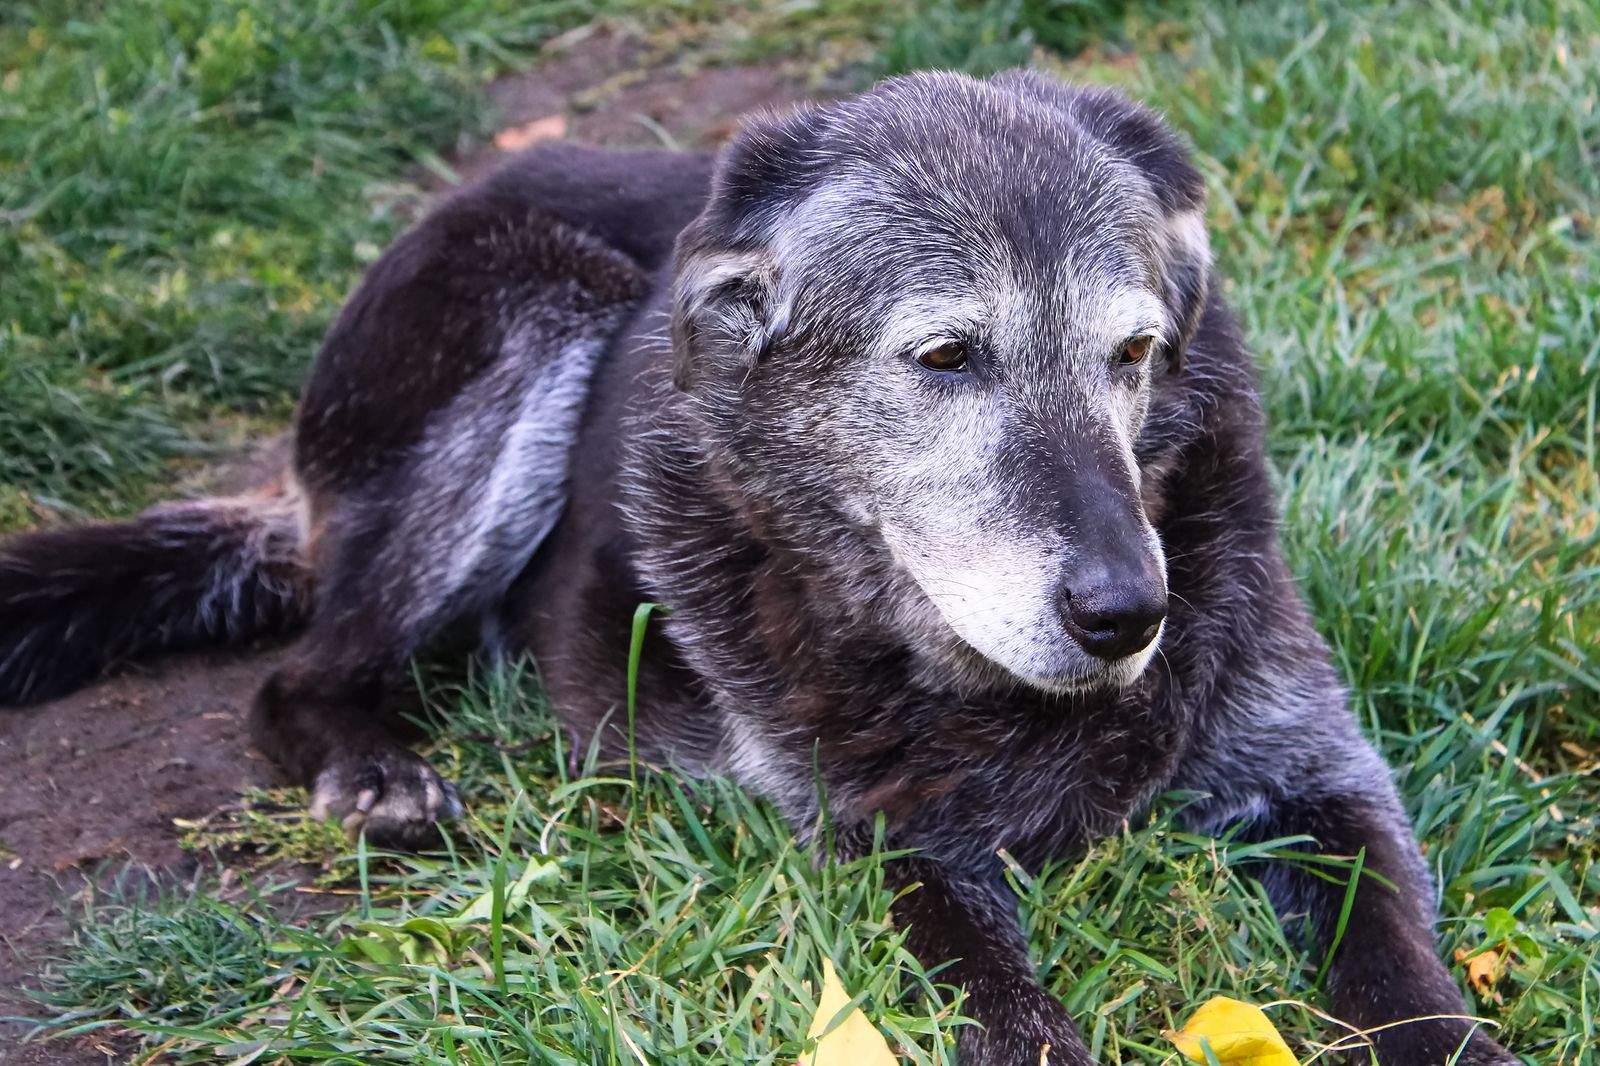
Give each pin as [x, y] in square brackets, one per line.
[724, 313]
[726, 308]
[1140, 137]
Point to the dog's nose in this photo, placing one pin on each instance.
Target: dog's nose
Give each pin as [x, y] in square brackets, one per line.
[1112, 616]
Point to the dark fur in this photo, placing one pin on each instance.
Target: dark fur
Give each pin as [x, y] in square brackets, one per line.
[75, 601]
[796, 641]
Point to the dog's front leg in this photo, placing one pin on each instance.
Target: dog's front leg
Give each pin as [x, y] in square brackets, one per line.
[972, 926]
[1384, 974]
[326, 717]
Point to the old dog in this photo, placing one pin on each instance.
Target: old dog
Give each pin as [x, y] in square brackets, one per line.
[918, 414]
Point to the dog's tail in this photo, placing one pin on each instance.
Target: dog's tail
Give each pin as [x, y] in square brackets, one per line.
[211, 572]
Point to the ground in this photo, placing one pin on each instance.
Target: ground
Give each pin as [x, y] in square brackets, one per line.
[1403, 202]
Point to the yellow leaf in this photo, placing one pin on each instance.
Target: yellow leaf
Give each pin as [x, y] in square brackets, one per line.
[1238, 1034]
[854, 1041]
[1483, 969]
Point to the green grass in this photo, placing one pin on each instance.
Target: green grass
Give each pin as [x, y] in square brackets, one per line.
[187, 189]
[1404, 201]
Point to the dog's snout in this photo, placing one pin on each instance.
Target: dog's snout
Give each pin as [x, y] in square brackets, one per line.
[1112, 615]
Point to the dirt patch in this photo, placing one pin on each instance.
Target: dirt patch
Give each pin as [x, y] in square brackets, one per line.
[91, 783]
[610, 88]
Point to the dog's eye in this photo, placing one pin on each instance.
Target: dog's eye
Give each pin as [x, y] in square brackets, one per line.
[949, 356]
[1132, 352]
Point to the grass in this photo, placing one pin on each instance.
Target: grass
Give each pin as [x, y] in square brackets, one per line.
[1404, 199]
[187, 190]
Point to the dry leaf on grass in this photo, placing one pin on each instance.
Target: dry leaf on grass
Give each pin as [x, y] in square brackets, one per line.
[1238, 1034]
[854, 1041]
[1484, 969]
[516, 138]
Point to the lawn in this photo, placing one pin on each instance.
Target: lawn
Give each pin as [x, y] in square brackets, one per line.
[1404, 204]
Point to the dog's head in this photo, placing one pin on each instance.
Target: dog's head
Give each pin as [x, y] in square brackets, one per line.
[939, 311]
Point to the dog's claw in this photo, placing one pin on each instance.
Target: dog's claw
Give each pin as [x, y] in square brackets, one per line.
[391, 795]
[453, 807]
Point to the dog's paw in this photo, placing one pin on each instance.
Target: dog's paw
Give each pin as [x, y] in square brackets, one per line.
[1482, 1051]
[391, 795]
[1025, 1028]
[1496, 1056]
[1417, 1047]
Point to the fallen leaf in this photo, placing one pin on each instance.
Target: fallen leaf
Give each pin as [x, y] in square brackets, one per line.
[482, 908]
[516, 138]
[1483, 969]
[852, 1042]
[1238, 1034]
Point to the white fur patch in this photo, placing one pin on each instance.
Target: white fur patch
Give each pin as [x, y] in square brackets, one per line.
[1187, 237]
[492, 473]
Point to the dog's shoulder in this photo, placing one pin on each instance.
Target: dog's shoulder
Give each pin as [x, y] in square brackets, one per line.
[633, 200]
[560, 241]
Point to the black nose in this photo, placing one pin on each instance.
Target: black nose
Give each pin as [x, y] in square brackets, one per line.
[1113, 615]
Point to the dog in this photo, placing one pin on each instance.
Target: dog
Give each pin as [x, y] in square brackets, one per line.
[919, 417]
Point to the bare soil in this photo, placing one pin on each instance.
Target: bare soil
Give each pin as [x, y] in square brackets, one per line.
[90, 784]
